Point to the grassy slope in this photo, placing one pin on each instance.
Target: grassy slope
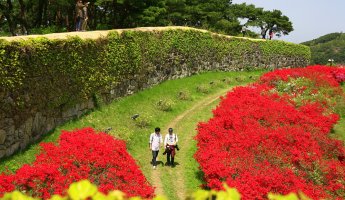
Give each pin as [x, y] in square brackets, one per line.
[193, 175]
[117, 115]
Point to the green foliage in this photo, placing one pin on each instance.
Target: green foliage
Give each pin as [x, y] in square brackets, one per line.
[118, 116]
[285, 50]
[265, 20]
[305, 91]
[165, 104]
[228, 80]
[221, 16]
[47, 30]
[184, 95]
[340, 105]
[291, 196]
[203, 88]
[330, 46]
[83, 190]
[216, 83]
[240, 79]
[57, 74]
[227, 194]
[143, 121]
[16, 195]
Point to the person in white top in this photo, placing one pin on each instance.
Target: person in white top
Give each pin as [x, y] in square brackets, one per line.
[155, 143]
[170, 143]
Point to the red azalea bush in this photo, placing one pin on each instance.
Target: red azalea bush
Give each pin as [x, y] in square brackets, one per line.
[81, 154]
[322, 75]
[259, 141]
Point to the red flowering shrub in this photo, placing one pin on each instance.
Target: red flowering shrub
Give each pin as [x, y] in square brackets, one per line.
[259, 141]
[81, 154]
[330, 76]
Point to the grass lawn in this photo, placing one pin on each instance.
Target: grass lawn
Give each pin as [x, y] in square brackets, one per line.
[339, 128]
[118, 114]
[150, 105]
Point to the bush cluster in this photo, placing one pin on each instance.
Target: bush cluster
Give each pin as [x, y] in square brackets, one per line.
[81, 154]
[165, 104]
[261, 140]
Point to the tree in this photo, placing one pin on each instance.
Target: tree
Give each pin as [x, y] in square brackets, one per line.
[44, 16]
[275, 21]
[176, 14]
[7, 10]
[212, 15]
[154, 14]
[265, 20]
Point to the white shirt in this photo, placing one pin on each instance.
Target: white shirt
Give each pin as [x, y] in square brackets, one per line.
[170, 139]
[155, 141]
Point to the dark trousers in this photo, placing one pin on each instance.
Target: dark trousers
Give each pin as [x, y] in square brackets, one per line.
[168, 158]
[79, 23]
[154, 157]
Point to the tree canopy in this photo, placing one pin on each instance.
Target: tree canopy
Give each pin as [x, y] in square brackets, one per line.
[43, 16]
[265, 20]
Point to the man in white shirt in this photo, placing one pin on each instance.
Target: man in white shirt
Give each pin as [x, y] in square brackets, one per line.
[155, 143]
[170, 143]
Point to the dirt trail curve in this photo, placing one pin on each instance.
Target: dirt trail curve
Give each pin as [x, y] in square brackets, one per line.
[179, 182]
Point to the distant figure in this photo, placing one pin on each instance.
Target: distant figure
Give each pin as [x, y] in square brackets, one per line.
[263, 34]
[85, 17]
[244, 30]
[271, 34]
[79, 14]
[155, 143]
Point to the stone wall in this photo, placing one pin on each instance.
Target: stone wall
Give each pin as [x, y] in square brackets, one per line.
[20, 128]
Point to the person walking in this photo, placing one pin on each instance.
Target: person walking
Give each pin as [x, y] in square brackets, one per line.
[155, 143]
[170, 143]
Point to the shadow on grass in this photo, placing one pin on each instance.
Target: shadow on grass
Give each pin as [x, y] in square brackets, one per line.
[33, 148]
[200, 176]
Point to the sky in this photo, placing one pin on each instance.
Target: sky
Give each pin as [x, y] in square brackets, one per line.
[310, 18]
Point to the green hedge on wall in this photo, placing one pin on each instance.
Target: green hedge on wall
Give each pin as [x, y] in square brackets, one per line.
[48, 74]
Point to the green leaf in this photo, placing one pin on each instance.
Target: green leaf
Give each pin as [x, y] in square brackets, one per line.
[58, 197]
[291, 196]
[16, 195]
[82, 190]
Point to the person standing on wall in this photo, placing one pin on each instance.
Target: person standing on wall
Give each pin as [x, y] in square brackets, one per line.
[170, 143]
[79, 14]
[271, 34]
[85, 17]
[244, 30]
[263, 33]
[155, 143]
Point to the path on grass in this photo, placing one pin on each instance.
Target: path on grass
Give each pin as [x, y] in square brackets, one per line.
[178, 171]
